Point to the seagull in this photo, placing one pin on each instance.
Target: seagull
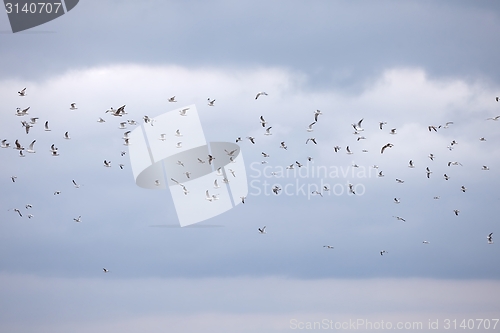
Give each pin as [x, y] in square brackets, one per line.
[252, 139]
[105, 270]
[328, 246]
[157, 183]
[309, 158]
[22, 92]
[485, 167]
[446, 177]
[33, 120]
[357, 127]
[336, 148]
[268, 131]
[162, 137]
[183, 112]
[188, 174]
[125, 135]
[463, 188]
[100, 120]
[298, 164]
[21, 154]
[381, 124]
[399, 218]
[123, 125]
[263, 93]
[326, 188]
[66, 136]
[31, 148]
[348, 150]
[216, 184]
[309, 128]
[262, 230]
[276, 189]
[312, 140]
[351, 188]
[380, 174]
[425, 242]
[5, 144]
[411, 164]
[127, 142]
[208, 196]
[13, 178]
[172, 99]
[18, 145]
[360, 138]
[27, 126]
[28, 206]
[397, 200]
[482, 139]
[23, 112]
[232, 172]
[210, 159]
[382, 252]
[107, 164]
[454, 163]
[316, 114]
[494, 118]
[147, 119]
[316, 192]
[431, 156]
[57, 192]
[265, 155]
[200, 160]
[121, 166]
[18, 211]
[211, 102]
[283, 145]
[490, 236]
[393, 131]
[262, 121]
[388, 145]
[79, 219]
[73, 106]
[178, 145]
[447, 124]
[431, 128]
[180, 163]
[132, 122]
[436, 198]
[30, 216]
[400, 181]
[178, 133]
[75, 184]
[428, 171]
[456, 211]
[47, 126]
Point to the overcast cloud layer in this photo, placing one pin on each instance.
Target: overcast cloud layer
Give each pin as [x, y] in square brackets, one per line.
[409, 64]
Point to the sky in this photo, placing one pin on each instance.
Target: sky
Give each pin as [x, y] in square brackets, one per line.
[409, 65]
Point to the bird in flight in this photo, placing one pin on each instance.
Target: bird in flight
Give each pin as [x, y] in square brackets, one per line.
[22, 92]
[262, 230]
[79, 219]
[211, 102]
[73, 106]
[309, 128]
[388, 145]
[105, 270]
[328, 246]
[490, 236]
[262, 93]
[172, 99]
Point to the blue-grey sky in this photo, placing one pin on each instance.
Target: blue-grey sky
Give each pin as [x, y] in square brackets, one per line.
[410, 64]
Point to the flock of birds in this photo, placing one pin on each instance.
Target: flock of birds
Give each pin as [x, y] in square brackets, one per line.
[316, 115]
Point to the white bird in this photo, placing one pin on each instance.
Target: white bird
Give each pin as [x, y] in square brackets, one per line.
[425, 242]
[380, 174]
[178, 133]
[183, 112]
[485, 167]
[105, 270]
[5, 144]
[22, 92]
[436, 198]
[265, 155]
[411, 164]
[490, 236]
[431, 156]
[454, 163]
[127, 142]
[262, 230]
[456, 211]
[463, 188]
[348, 150]
[400, 181]
[131, 122]
[57, 192]
[100, 120]
[446, 177]
[126, 135]
[123, 125]
[317, 192]
[313, 140]
[47, 126]
[179, 145]
[316, 114]
[31, 147]
[79, 219]
[172, 99]
[210, 159]
[66, 136]
[283, 145]
[276, 189]
[268, 131]
[393, 131]
[382, 252]
[381, 124]
[163, 137]
[482, 139]
[252, 139]
[216, 184]
[357, 127]
[336, 148]
[107, 164]
[309, 128]
[399, 218]
[211, 102]
[262, 121]
[21, 154]
[18, 211]
[351, 188]
[18, 145]
[328, 246]
[28, 206]
[494, 118]
[397, 200]
[73, 106]
[33, 120]
[243, 199]
[75, 184]
[157, 182]
[428, 172]
[262, 93]
[22, 112]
